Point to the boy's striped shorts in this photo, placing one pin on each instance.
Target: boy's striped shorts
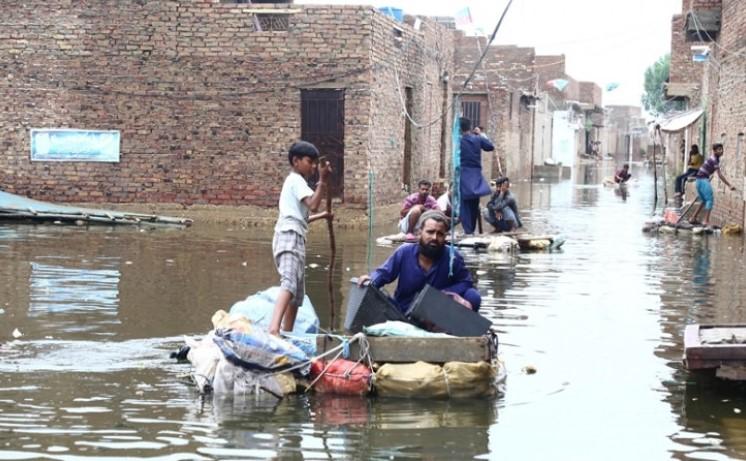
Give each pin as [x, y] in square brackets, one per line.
[289, 251]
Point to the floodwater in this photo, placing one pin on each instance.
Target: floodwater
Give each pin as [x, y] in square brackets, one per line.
[600, 321]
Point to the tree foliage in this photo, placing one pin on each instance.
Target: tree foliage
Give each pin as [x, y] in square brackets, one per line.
[654, 99]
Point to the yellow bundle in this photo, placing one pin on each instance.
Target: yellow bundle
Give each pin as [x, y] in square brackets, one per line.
[426, 380]
[541, 244]
[732, 229]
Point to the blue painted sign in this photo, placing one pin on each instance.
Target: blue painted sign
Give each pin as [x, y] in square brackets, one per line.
[67, 145]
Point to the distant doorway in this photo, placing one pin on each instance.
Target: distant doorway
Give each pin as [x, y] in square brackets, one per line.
[323, 123]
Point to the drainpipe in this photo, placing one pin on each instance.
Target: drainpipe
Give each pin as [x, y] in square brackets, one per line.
[739, 144]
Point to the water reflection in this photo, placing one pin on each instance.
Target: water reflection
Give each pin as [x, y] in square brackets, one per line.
[75, 299]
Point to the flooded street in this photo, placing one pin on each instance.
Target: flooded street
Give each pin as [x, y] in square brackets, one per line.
[601, 321]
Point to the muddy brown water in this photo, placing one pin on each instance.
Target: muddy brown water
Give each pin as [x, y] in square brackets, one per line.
[601, 321]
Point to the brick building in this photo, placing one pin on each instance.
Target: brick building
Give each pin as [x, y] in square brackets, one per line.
[626, 132]
[209, 94]
[716, 86]
[590, 98]
[500, 97]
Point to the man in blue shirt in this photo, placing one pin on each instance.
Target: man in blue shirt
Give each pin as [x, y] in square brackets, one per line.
[473, 184]
[426, 263]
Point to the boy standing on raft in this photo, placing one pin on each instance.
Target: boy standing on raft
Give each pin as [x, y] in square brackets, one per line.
[289, 242]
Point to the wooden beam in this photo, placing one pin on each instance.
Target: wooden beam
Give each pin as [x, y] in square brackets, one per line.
[396, 349]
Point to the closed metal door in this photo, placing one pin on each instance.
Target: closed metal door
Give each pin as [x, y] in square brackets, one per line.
[323, 123]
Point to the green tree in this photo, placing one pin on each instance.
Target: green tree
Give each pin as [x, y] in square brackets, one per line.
[654, 98]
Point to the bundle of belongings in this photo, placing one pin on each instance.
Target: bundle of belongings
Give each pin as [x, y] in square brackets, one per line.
[239, 356]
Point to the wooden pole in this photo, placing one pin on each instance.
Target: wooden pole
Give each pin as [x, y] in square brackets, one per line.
[663, 171]
[332, 258]
[655, 169]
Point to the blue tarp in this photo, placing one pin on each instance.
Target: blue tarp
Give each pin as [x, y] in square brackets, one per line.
[258, 308]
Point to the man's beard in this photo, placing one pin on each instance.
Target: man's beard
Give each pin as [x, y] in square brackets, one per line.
[431, 251]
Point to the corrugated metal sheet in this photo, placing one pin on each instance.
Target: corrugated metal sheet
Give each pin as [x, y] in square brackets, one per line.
[15, 207]
[681, 121]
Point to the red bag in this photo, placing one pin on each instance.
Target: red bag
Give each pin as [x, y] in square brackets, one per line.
[342, 377]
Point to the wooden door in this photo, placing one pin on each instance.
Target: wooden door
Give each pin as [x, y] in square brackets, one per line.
[322, 123]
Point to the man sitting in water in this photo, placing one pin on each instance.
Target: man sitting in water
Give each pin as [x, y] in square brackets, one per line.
[414, 205]
[623, 175]
[502, 209]
[426, 262]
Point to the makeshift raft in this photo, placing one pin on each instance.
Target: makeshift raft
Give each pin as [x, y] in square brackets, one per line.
[525, 241]
[16, 208]
[716, 347]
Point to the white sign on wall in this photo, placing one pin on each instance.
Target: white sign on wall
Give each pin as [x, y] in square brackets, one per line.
[70, 145]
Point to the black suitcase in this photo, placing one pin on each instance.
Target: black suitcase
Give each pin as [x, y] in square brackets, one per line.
[432, 308]
[367, 306]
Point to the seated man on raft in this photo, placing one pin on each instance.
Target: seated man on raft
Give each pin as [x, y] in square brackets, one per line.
[426, 262]
[502, 209]
[414, 205]
[622, 175]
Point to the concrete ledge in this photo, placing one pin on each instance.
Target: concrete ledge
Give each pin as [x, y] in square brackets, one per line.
[552, 172]
[252, 216]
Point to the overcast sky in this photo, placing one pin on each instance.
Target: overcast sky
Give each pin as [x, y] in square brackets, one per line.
[604, 41]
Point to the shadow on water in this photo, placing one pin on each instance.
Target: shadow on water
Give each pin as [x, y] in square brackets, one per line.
[601, 321]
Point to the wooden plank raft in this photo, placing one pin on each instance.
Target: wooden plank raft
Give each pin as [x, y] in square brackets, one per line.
[525, 240]
[397, 349]
[721, 347]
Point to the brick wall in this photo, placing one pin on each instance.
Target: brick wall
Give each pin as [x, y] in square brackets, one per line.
[727, 91]
[206, 105]
[405, 58]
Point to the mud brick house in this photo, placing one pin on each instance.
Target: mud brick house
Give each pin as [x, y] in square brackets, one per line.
[708, 73]
[207, 96]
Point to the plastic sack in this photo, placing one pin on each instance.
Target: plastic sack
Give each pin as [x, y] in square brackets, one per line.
[540, 244]
[232, 379]
[304, 342]
[342, 377]
[258, 309]
[732, 229]
[425, 380]
[398, 328]
[257, 350]
[204, 356]
[237, 322]
[502, 244]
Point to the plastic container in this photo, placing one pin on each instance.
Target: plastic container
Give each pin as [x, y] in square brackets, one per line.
[368, 306]
[432, 308]
[396, 13]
